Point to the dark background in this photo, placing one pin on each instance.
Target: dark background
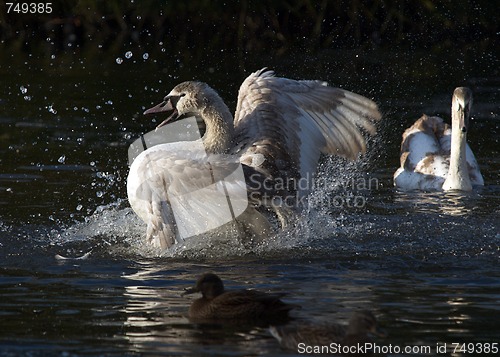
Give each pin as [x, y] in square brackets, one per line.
[196, 29]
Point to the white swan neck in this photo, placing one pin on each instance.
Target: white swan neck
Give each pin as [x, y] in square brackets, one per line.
[219, 131]
[458, 174]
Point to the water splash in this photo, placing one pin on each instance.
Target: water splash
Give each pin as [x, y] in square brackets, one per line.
[322, 230]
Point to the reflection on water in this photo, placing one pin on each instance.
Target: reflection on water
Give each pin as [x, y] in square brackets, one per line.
[447, 203]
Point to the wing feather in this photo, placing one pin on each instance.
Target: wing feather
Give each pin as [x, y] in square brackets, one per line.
[299, 120]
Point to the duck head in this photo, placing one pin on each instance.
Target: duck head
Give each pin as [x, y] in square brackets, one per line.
[209, 285]
[362, 322]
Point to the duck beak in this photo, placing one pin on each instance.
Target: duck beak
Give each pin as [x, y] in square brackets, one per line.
[188, 291]
[167, 106]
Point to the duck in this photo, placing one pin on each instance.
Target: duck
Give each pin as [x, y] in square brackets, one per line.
[361, 325]
[435, 156]
[235, 306]
[280, 128]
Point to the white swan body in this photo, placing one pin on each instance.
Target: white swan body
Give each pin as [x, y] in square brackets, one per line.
[171, 183]
[280, 128]
[435, 156]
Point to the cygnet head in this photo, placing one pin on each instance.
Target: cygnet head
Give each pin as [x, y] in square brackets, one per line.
[460, 108]
[186, 98]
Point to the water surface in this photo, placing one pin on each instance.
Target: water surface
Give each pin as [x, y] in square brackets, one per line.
[427, 264]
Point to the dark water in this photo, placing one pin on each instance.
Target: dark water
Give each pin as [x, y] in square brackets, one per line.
[427, 264]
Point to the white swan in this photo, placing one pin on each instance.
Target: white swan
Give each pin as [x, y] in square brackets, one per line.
[437, 157]
[280, 128]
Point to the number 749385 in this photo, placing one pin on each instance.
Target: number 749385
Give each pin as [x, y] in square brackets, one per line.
[29, 8]
[474, 348]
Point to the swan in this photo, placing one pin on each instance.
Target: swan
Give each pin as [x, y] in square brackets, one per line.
[435, 156]
[280, 128]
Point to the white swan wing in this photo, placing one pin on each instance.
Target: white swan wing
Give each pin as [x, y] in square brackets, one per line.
[146, 191]
[177, 187]
[291, 122]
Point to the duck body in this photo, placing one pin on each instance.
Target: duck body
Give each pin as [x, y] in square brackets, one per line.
[280, 129]
[246, 306]
[435, 156]
[240, 305]
[361, 325]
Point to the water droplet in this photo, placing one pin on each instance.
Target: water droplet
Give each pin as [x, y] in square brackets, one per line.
[23, 89]
[115, 118]
[79, 207]
[119, 60]
[92, 163]
[53, 57]
[128, 54]
[51, 109]
[99, 193]
[145, 56]
[61, 159]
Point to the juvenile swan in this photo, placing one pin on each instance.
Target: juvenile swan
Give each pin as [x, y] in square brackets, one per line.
[280, 128]
[437, 157]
